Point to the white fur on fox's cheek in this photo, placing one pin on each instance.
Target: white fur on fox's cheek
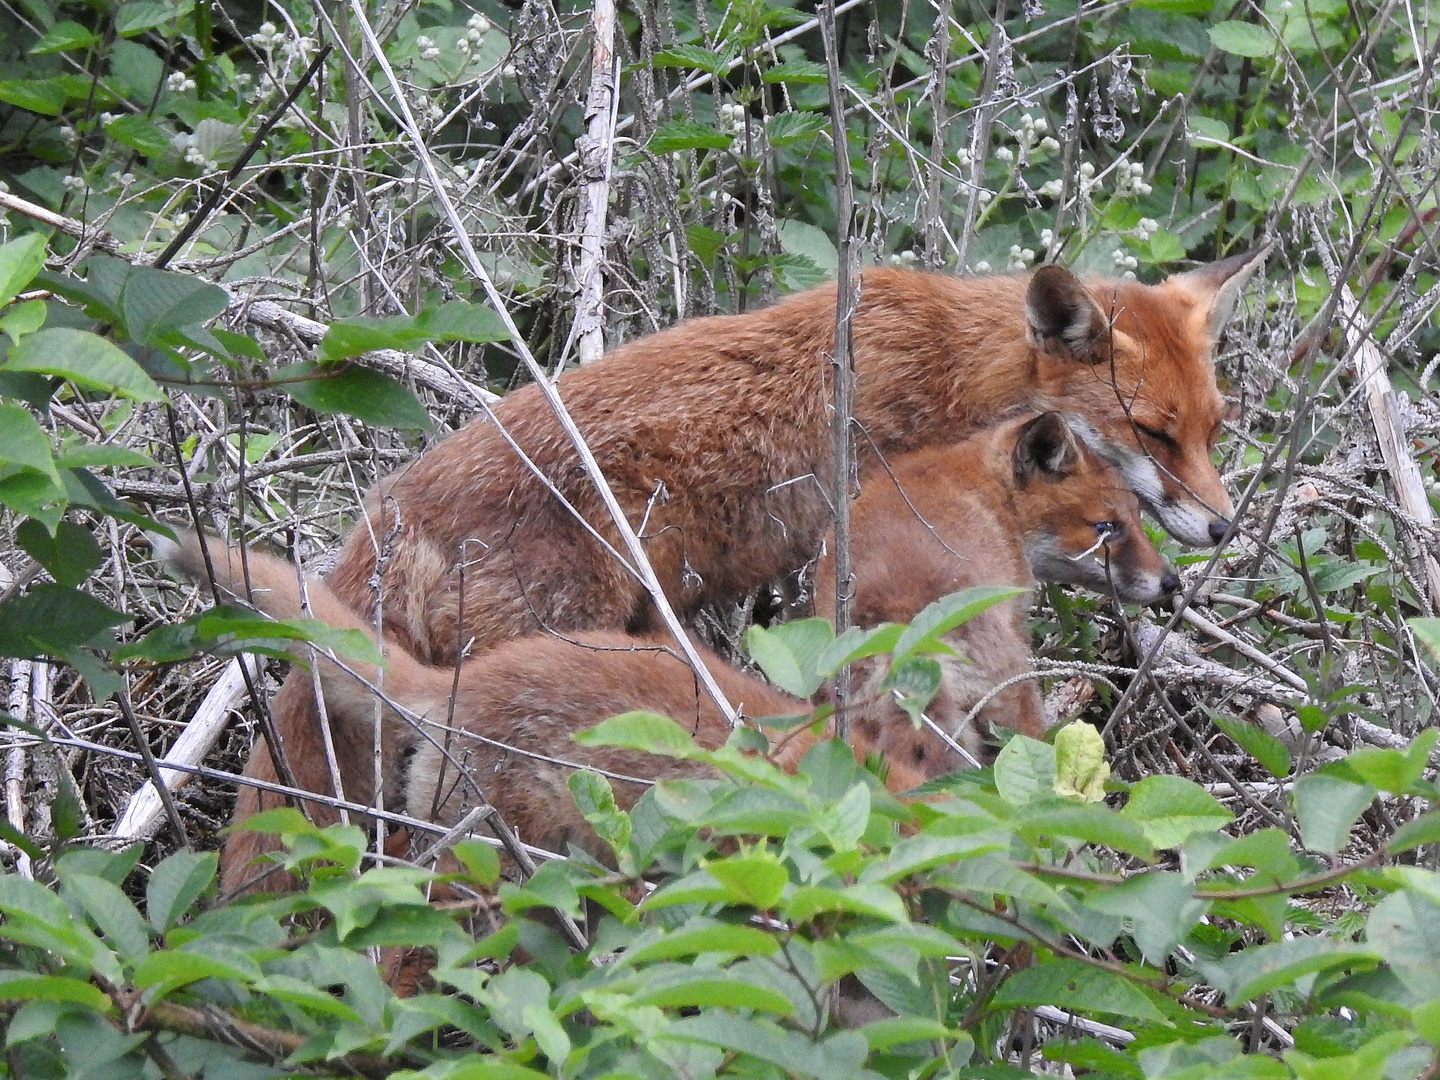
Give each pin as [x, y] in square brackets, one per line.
[1184, 521]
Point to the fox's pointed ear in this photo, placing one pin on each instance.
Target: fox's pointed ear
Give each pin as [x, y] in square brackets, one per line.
[1221, 283]
[1046, 447]
[1063, 317]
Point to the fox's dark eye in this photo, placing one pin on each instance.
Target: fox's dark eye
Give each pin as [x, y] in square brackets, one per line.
[1164, 438]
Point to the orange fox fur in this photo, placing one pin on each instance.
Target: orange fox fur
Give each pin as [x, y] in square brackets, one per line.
[715, 436]
[1022, 501]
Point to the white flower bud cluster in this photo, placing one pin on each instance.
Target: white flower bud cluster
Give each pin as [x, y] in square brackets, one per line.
[1047, 237]
[1052, 189]
[904, 258]
[1021, 258]
[428, 49]
[1147, 228]
[983, 267]
[178, 82]
[1130, 177]
[735, 117]
[192, 153]
[267, 37]
[74, 183]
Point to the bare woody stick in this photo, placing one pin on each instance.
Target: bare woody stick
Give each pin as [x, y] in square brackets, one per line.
[842, 363]
[596, 153]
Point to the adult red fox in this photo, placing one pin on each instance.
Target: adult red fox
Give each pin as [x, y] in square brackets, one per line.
[1023, 501]
[715, 436]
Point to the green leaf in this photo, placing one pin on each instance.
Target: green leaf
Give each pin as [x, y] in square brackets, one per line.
[1326, 808]
[66, 34]
[1080, 766]
[1334, 575]
[788, 653]
[641, 730]
[705, 243]
[23, 986]
[596, 799]
[923, 633]
[687, 135]
[70, 555]
[792, 127]
[24, 442]
[139, 133]
[1427, 632]
[1159, 907]
[1072, 984]
[1424, 829]
[1245, 975]
[355, 391]
[690, 56]
[175, 884]
[1242, 39]
[52, 618]
[716, 991]
[111, 911]
[1395, 771]
[21, 319]
[156, 302]
[86, 360]
[702, 936]
[914, 681]
[1171, 808]
[1093, 823]
[1405, 929]
[875, 900]
[461, 321]
[20, 261]
[802, 238]
[1025, 771]
[841, 1055]
[894, 1030]
[135, 16]
[480, 860]
[1269, 751]
[914, 854]
[755, 878]
[168, 969]
[796, 71]
[44, 96]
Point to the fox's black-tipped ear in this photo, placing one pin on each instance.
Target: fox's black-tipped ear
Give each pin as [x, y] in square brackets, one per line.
[1046, 447]
[1063, 317]
[1220, 284]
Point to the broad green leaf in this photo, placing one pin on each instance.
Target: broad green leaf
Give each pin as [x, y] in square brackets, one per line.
[675, 135]
[840, 1055]
[24, 442]
[1334, 575]
[596, 799]
[458, 320]
[66, 34]
[844, 823]
[1269, 751]
[702, 936]
[857, 644]
[1427, 632]
[875, 900]
[1424, 829]
[355, 391]
[1093, 823]
[923, 633]
[914, 681]
[1368, 1061]
[136, 16]
[796, 71]
[690, 56]
[1404, 928]
[641, 730]
[480, 860]
[1072, 984]
[354, 337]
[139, 133]
[20, 261]
[893, 1030]
[1025, 771]
[175, 884]
[44, 96]
[792, 127]
[167, 970]
[1326, 808]
[19, 320]
[706, 990]
[1243, 39]
[755, 878]
[101, 455]
[1171, 808]
[156, 302]
[112, 912]
[1159, 907]
[1080, 766]
[23, 986]
[70, 555]
[915, 854]
[86, 360]
[788, 653]
[52, 618]
[802, 238]
[1247, 974]
[299, 992]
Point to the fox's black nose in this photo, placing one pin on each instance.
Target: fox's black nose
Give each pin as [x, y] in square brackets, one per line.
[1218, 528]
[1169, 583]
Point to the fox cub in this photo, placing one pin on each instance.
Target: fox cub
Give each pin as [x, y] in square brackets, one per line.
[1024, 501]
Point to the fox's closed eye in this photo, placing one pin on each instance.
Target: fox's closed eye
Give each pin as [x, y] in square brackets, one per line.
[1159, 435]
